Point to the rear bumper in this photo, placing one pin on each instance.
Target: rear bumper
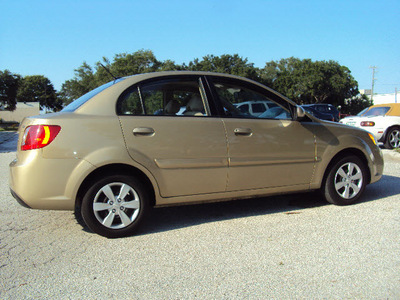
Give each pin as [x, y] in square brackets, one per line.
[40, 183]
[19, 200]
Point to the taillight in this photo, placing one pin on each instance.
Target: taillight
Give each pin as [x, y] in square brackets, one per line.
[367, 123]
[39, 136]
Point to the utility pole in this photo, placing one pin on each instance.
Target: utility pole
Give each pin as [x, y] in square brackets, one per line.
[373, 82]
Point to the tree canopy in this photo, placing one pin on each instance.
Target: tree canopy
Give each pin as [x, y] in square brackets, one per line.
[229, 64]
[38, 88]
[301, 80]
[9, 84]
[305, 81]
[356, 104]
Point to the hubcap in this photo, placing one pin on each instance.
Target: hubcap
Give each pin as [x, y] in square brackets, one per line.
[394, 139]
[116, 205]
[348, 180]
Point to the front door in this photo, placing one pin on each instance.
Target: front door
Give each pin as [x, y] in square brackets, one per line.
[268, 150]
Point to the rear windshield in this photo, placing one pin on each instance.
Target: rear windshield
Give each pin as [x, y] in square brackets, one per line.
[376, 111]
[83, 99]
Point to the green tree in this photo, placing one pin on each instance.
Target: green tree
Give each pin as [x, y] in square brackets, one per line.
[38, 88]
[230, 64]
[356, 104]
[124, 64]
[170, 65]
[139, 62]
[305, 81]
[83, 82]
[9, 83]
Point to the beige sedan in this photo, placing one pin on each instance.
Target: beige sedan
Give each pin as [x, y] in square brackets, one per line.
[177, 137]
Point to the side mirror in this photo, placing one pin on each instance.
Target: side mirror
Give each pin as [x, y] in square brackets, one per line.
[300, 113]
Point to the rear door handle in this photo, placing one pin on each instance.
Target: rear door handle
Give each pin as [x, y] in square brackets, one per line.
[143, 131]
[243, 131]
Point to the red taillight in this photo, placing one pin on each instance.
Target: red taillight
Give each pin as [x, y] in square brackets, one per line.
[39, 136]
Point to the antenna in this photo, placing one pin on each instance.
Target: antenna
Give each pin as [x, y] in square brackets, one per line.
[108, 71]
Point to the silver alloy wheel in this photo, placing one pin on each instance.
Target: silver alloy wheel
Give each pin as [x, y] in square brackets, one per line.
[394, 138]
[348, 180]
[116, 205]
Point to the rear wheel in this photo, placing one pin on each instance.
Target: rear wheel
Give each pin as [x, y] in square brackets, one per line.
[346, 181]
[393, 138]
[114, 206]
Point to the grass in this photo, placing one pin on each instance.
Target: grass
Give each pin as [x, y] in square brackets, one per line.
[9, 126]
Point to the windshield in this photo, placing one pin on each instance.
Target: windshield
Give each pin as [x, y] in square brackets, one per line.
[376, 111]
[74, 105]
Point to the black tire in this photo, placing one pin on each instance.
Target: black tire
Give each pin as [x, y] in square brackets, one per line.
[392, 140]
[121, 203]
[346, 181]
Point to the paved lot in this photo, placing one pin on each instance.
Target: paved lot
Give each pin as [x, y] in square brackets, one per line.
[279, 247]
[8, 141]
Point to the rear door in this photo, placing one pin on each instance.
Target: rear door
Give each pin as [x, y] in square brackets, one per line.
[168, 128]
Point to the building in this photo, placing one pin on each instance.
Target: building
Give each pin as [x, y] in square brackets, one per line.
[382, 98]
[23, 109]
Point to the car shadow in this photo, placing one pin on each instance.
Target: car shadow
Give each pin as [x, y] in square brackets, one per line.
[172, 218]
[177, 217]
[388, 186]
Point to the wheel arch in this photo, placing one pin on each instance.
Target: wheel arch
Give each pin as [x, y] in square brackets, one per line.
[385, 134]
[348, 152]
[115, 169]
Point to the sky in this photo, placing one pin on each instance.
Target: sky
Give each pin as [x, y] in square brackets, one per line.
[52, 38]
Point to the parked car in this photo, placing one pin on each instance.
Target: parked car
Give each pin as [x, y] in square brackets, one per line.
[326, 109]
[254, 108]
[382, 120]
[318, 114]
[127, 146]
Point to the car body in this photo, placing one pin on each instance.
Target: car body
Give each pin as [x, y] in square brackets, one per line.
[382, 120]
[127, 146]
[324, 109]
[255, 108]
[318, 114]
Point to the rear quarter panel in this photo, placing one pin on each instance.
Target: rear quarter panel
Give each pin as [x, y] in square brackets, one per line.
[85, 143]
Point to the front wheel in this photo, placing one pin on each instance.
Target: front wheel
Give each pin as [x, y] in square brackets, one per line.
[346, 181]
[393, 138]
[114, 206]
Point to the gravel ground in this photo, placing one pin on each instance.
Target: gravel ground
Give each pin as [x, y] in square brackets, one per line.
[278, 247]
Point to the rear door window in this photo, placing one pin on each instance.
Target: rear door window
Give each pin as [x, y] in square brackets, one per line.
[171, 97]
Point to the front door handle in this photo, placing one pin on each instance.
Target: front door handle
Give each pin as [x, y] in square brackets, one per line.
[143, 131]
[243, 131]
